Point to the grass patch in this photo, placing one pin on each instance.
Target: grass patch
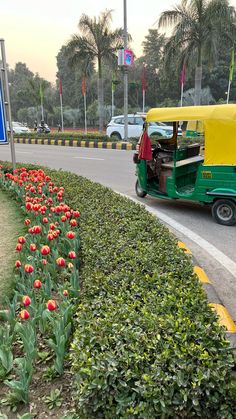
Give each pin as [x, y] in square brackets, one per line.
[11, 229]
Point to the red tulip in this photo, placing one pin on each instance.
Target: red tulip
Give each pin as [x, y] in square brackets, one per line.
[33, 247]
[28, 268]
[45, 220]
[70, 235]
[37, 283]
[45, 250]
[63, 218]
[73, 222]
[68, 214]
[70, 265]
[50, 236]
[18, 264]
[27, 221]
[24, 314]
[37, 229]
[76, 214]
[18, 247]
[60, 262]
[44, 262]
[72, 254]
[51, 305]
[26, 300]
[21, 239]
[65, 293]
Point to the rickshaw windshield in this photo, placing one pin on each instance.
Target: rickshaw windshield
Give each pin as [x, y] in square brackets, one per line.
[219, 127]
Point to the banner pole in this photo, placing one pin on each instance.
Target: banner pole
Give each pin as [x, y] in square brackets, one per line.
[62, 121]
[227, 101]
[85, 115]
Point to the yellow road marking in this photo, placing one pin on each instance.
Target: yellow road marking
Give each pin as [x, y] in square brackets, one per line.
[183, 246]
[201, 274]
[224, 317]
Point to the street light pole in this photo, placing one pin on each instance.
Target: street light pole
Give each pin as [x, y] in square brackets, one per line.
[125, 77]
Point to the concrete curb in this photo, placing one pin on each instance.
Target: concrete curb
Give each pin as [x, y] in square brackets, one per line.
[78, 143]
[214, 300]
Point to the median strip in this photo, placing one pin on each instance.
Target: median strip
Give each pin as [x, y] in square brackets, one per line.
[78, 143]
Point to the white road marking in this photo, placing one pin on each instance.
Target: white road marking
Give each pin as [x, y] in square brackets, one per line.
[87, 158]
[220, 257]
[23, 152]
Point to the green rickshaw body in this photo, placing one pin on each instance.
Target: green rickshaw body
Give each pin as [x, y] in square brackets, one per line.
[181, 172]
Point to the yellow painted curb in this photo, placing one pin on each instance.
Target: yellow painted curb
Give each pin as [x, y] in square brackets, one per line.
[224, 317]
[59, 142]
[109, 145]
[100, 144]
[91, 144]
[74, 143]
[67, 143]
[183, 246]
[118, 146]
[201, 274]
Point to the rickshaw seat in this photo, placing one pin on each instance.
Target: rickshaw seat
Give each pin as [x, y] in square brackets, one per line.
[180, 163]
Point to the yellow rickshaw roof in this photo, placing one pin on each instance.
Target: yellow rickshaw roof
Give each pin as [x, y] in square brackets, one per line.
[219, 128]
[192, 113]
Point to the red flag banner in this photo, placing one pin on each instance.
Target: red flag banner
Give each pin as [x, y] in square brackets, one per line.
[182, 77]
[145, 148]
[143, 77]
[83, 87]
[60, 86]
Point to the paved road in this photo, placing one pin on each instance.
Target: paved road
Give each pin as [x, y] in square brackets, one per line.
[213, 245]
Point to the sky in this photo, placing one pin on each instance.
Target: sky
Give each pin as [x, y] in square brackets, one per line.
[34, 32]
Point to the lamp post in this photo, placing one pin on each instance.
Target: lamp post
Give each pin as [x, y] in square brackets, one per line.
[125, 77]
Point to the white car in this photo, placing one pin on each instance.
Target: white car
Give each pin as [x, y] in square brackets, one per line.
[115, 128]
[18, 128]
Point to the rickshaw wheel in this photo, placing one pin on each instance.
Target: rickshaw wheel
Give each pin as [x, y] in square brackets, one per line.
[224, 212]
[139, 191]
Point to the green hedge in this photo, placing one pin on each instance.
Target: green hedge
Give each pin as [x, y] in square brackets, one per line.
[146, 345]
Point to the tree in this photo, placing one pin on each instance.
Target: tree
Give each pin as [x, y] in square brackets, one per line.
[97, 42]
[200, 27]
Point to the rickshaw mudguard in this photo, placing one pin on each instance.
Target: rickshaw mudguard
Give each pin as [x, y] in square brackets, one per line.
[222, 193]
[141, 172]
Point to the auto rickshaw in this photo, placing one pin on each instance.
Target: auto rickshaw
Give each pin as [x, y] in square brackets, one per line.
[175, 171]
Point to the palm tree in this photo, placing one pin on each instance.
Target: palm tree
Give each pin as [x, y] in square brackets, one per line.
[97, 42]
[199, 29]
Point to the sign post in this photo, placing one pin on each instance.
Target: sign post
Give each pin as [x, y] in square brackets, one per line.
[3, 128]
[5, 101]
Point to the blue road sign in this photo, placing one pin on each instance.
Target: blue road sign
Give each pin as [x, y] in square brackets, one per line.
[3, 131]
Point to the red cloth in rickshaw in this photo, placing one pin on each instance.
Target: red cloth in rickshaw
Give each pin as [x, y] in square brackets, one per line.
[145, 148]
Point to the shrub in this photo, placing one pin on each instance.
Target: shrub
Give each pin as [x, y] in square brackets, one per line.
[146, 344]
